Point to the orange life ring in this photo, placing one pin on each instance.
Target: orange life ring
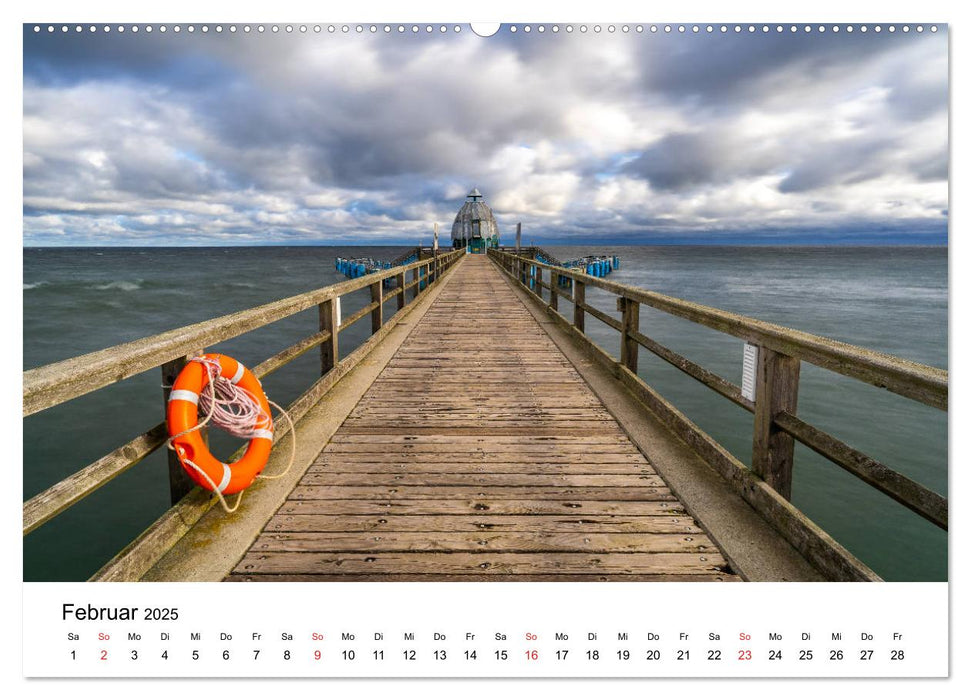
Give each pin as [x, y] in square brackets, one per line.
[182, 414]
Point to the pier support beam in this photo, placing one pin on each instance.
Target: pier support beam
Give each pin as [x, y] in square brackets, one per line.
[777, 390]
[179, 482]
[329, 350]
[400, 296]
[631, 320]
[579, 299]
[377, 315]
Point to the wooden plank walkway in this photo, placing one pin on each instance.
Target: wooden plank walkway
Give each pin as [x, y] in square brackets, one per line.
[479, 453]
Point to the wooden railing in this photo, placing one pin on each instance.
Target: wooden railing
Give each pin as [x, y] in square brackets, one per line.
[780, 353]
[59, 382]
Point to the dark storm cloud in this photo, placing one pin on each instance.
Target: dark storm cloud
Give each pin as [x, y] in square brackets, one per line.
[181, 137]
[683, 160]
[732, 67]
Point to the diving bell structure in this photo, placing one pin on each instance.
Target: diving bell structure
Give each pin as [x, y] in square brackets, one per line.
[475, 225]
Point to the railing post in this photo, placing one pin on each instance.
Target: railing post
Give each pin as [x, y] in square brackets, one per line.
[179, 482]
[377, 315]
[401, 291]
[416, 283]
[777, 390]
[579, 298]
[631, 320]
[327, 313]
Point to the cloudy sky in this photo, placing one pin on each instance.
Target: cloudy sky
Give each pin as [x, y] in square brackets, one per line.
[226, 139]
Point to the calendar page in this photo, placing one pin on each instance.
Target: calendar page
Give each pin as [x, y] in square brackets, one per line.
[569, 348]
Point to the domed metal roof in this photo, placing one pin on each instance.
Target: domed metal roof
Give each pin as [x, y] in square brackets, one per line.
[474, 216]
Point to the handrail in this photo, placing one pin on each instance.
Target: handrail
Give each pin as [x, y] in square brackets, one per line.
[922, 383]
[62, 381]
[59, 382]
[780, 351]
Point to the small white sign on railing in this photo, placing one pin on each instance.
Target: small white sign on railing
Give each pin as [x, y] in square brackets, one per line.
[337, 300]
[750, 361]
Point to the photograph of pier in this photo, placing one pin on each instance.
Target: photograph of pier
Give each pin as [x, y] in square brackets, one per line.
[562, 303]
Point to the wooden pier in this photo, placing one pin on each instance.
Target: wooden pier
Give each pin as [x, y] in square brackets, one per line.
[479, 452]
[479, 434]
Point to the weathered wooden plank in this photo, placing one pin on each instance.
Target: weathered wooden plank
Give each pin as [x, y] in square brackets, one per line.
[579, 449]
[639, 494]
[135, 559]
[663, 524]
[62, 495]
[459, 578]
[730, 391]
[421, 470]
[494, 506]
[272, 364]
[602, 317]
[479, 542]
[524, 429]
[522, 462]
[658, 524]
[396, 477]
[461, 414]
[488, 563]
[926, 503]
[349, 321]
[544, 442]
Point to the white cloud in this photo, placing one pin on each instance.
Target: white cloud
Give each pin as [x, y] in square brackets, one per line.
[372, 138]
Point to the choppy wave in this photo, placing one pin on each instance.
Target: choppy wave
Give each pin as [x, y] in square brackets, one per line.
[35, 285]
[120, 285]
